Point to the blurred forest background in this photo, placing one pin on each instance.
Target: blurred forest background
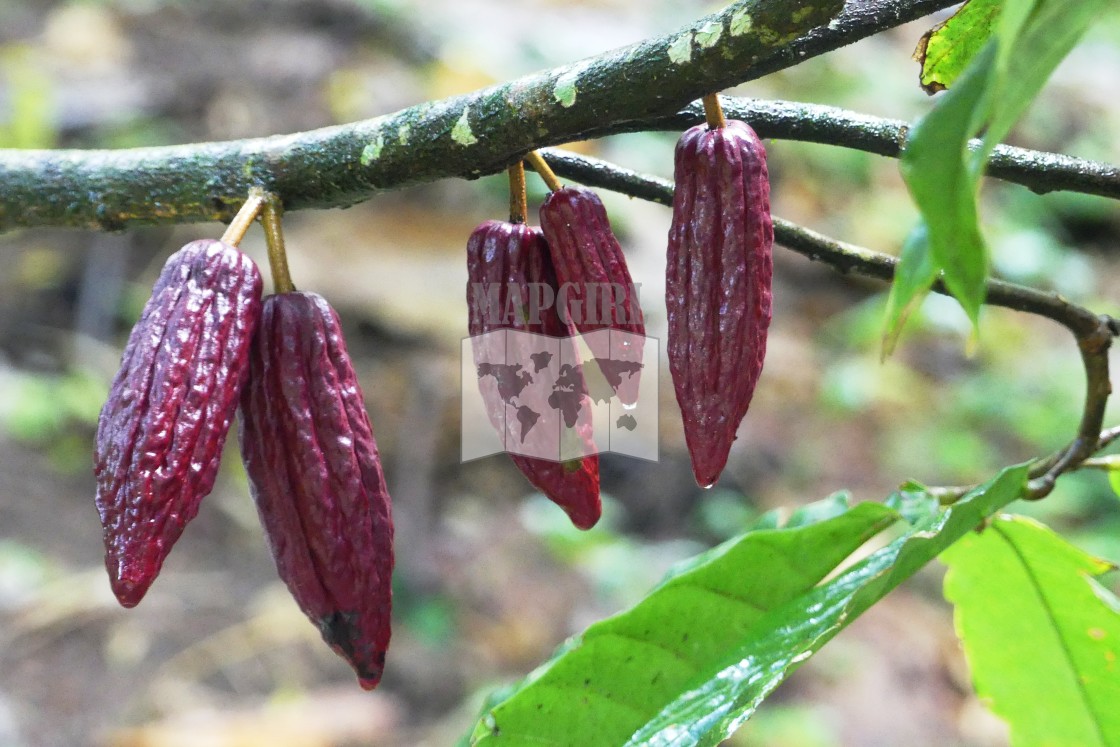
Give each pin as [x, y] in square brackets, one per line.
[490, 579]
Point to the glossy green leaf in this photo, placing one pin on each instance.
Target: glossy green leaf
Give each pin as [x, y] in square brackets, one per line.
[834, 505]
[945, 51]
[623, 670]
[1042, 636]
[913, 276]
[710, 711]
[691, 662]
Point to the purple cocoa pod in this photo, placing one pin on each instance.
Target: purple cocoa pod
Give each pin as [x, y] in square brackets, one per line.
[596, 290]
[316, 477]
[717, 290]
[509, 270]
[161, 431]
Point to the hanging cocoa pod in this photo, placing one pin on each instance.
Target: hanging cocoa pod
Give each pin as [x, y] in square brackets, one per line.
[596, 289]
[161, 431]
[506, 264]
[315, 474]
[717, 291]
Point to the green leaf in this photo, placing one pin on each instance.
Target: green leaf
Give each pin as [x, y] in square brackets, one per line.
[913, 276]
[1042, 636]
[827, 508]
[623, 670]
[945, 50]
[938, 171]
[709, 712]
[690, 663]
[999, 83]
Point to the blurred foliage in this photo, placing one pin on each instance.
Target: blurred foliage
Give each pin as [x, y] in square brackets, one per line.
[56, 413]
[27, 114]
[786, 726]
[23, 570]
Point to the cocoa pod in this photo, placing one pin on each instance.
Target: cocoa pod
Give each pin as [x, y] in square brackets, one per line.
[717, 291]
[507, 263]
[596, 289]
[315, 475]
[161, 431]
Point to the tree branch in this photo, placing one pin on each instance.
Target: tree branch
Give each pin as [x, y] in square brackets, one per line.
[786, 120]
[466, 136]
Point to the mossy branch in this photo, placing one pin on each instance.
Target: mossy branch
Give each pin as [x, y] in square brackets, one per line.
[466, 136]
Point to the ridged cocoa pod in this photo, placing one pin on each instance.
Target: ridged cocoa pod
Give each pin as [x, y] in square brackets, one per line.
[162, 428]
[507, 261]
[591, 268]
[717, 290]
[315, 474]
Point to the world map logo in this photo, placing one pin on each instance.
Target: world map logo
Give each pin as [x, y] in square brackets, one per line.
[559, 398]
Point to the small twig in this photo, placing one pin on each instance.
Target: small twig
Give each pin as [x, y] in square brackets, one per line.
[1108, 436]
[1038, 171]
[1094, 356]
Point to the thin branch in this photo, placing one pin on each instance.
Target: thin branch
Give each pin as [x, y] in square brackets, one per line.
[1098, 387]
[1106, 463]
[1093, 333]
[840, 255]
[466, 136]
[1108, 436]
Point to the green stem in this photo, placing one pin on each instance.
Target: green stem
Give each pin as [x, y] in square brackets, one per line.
[248, 213]
[537, 164]
[518, 201]
[713, 113]
[277, 254]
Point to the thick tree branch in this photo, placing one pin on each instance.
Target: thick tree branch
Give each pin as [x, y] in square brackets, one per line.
[785, 120]
[1093, 333]
[466, 136]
